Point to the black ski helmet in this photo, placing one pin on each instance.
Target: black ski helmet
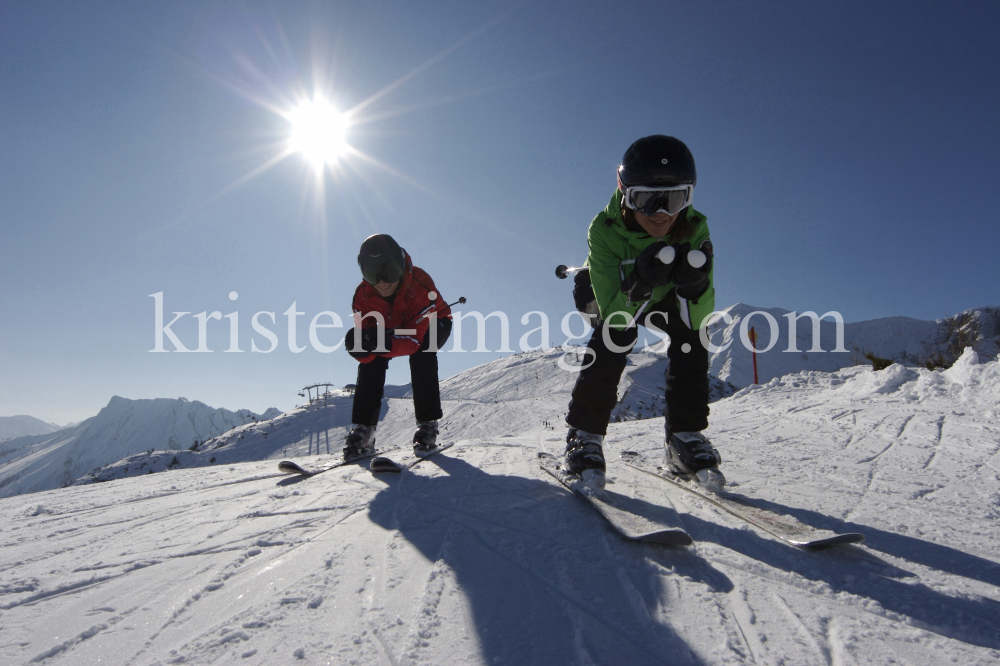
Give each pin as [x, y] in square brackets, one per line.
[657, 161]
[381, 259]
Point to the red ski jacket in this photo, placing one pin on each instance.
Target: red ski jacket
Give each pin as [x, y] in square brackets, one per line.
[410, 302]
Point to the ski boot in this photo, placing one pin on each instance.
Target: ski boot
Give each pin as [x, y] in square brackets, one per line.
[585, 457]
[360, 442]
[425, 438]
[691, 454]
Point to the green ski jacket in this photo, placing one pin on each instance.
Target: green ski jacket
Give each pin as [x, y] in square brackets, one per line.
[611, 243]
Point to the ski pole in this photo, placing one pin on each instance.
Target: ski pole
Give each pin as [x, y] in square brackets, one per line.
[460, 301]
[413, 331]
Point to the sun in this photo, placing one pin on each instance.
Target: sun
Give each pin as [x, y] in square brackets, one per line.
[319, 132]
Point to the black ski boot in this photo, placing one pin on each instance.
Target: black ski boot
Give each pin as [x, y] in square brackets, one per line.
[692, 454]
[425, 438]
[585, 457]
[360, 442]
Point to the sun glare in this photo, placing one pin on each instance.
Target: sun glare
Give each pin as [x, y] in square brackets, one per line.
[318, 132]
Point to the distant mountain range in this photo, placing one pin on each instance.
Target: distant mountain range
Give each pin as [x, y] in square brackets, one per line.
[22, 426]
[911, 342]
[122, 428]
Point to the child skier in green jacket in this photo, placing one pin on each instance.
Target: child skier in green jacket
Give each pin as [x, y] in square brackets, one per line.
[650, 263]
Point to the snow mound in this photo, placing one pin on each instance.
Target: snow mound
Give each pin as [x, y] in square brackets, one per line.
[888, 380]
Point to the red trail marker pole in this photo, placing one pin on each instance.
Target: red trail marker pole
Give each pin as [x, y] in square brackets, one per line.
[753, 352]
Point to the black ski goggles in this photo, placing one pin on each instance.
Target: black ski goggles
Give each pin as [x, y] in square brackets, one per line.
[387, 271]
[653, 200]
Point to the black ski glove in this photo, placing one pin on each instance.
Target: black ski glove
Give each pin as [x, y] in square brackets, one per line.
[349, 345]
[583, 290]
[648, 273]
[692, 282]
[356, 351]
[635, 288]
[649, 267]
[368, 342]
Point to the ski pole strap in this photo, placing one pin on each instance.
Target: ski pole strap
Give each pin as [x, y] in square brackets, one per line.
[621, 267]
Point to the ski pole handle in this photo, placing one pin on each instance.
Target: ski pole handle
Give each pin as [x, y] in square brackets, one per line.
[563, 271]
[697, 258]
[667, 255]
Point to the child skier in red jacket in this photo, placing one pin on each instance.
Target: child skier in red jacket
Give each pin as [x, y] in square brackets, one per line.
[399, 312]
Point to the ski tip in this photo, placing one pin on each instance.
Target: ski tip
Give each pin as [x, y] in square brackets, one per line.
[670, 537]
[836, 540]
[380, 465]
[288, 467]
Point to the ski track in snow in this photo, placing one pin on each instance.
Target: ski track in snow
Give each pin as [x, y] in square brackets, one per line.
[476, 556]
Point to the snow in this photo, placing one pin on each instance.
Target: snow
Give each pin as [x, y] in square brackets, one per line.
[505, 397]
[479, 557]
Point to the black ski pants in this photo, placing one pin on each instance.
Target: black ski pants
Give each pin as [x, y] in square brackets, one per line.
[423, 380]
[596, 392]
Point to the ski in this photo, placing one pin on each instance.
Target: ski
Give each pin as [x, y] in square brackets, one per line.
[289, 467]
[381, 464]
[634, 519]
[785, 528]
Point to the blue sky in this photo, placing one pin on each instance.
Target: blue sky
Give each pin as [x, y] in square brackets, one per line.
[846, 157]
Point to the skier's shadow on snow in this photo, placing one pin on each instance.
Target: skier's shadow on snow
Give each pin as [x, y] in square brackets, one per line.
[325, 436]
[318, 439]
[850, 569]
[547, 579]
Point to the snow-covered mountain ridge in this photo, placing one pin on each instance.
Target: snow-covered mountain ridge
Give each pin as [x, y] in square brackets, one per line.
[501, 398]
[122, 428]
[24, 426]
[478, 557]
[911, 342]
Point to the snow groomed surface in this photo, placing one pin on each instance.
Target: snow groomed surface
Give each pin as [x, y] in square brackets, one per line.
[479, 557]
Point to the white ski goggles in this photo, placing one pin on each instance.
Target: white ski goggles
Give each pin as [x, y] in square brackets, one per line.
[653, 200]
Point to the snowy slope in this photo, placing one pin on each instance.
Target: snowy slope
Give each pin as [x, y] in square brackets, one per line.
[122, 428]
[477, 557]
[24, 426]
[505, 397]
[901, 339]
